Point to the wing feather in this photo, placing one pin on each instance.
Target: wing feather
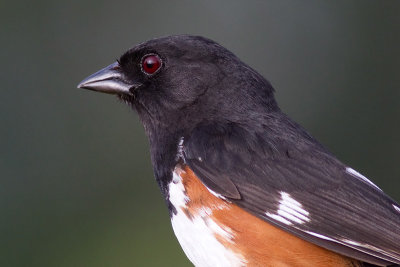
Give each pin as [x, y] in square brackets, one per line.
[275, 179]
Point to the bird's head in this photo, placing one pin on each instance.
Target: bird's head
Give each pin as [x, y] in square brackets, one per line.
[180, 81]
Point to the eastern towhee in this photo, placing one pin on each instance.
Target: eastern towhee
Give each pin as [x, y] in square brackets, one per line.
[245, 185]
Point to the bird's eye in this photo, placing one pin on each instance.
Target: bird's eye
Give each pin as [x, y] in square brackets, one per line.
[151, 64]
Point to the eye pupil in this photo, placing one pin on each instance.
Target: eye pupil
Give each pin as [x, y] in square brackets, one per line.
[151, 63]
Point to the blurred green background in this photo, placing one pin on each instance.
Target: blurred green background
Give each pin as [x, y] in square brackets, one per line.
[77, 187]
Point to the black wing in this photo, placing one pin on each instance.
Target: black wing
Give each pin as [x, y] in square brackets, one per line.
[291, 181]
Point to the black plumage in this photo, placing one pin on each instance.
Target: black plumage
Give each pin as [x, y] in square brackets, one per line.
[243, 147]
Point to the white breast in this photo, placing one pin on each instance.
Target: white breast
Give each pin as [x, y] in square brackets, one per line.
[197, 233]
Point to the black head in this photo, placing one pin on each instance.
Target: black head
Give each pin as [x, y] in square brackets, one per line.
[176, 82]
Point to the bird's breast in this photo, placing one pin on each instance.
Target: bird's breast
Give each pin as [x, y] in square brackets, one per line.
[215, 232]
[204, 239]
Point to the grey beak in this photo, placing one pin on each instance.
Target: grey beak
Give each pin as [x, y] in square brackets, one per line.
[109, 80]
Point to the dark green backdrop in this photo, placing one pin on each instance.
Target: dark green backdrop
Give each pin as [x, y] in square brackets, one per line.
[77, 187]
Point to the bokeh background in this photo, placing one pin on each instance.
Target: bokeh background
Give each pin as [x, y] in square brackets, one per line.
[76, 183]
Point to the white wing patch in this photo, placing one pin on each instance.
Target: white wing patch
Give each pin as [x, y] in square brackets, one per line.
[278, 218]
[397, 208]
[358, 175]
[352, 242]
[197, 233]
[289, 211]
[320, 236]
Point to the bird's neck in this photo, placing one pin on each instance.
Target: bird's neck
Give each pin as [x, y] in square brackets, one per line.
[164, 146]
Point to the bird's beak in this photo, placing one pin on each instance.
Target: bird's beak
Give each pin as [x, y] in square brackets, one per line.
[109, 80]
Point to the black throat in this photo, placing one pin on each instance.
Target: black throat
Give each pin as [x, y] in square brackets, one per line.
[164, 139]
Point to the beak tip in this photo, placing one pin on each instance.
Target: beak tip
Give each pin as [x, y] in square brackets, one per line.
[81, 85]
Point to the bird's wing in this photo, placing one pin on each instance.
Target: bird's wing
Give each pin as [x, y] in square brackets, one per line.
[300, 187]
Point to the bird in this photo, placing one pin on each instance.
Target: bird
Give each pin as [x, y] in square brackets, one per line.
[244, 184]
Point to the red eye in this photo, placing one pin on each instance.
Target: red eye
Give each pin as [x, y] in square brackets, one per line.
[151, 64]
